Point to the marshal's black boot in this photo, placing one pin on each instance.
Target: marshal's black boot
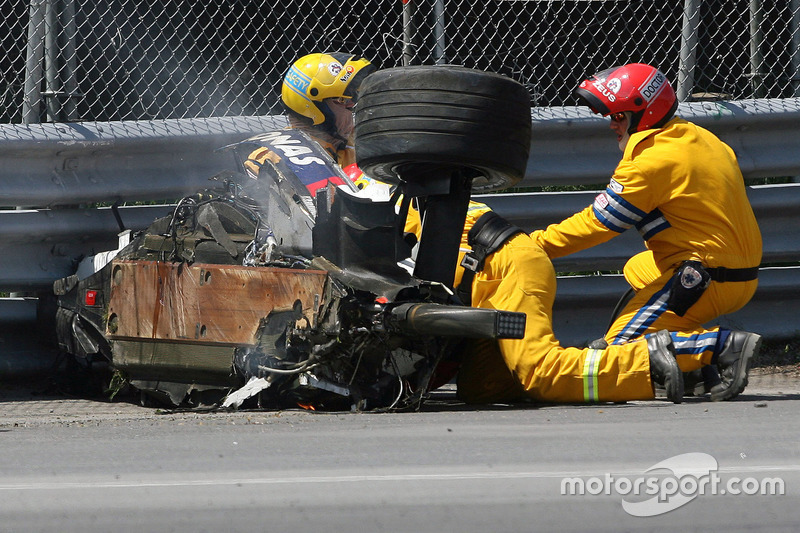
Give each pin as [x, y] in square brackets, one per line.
[664, 368]
[733, 363]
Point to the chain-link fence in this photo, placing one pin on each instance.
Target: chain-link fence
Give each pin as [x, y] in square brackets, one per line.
[106, 60]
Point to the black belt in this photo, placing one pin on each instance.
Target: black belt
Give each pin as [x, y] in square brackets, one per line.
[487, 235]
[723, 274]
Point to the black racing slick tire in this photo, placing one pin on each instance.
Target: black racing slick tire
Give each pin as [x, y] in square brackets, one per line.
[412, 120]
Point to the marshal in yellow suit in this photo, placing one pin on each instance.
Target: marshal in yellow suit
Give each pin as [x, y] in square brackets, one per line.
[682, 189]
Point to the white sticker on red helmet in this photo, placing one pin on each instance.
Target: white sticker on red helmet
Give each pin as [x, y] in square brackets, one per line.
[604, 91]
[614, 85]
[653, 86]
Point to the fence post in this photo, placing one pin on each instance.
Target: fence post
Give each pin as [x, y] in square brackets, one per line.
[408, 33]
[438, 32]
[33, 64]
[691, 21]
[53, 89]
[69, 61]
[795, 46]
[756, 57]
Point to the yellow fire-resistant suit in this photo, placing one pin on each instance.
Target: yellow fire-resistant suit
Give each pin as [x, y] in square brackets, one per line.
[681, 187]
[520, 277]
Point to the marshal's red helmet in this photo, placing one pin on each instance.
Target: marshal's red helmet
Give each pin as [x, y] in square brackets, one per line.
[641, 89]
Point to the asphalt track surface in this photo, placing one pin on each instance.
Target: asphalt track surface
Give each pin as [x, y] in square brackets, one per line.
[80, 465]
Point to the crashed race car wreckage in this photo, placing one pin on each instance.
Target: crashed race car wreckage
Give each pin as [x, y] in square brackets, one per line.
[291, 287]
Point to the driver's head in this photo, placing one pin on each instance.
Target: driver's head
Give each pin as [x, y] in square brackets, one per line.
[323, 88]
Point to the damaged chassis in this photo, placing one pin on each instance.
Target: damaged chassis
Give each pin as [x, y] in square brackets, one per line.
[291, 287]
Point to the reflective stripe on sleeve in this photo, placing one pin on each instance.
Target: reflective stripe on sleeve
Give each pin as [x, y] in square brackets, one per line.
[591, 367]
[652, 224]
[616, 213]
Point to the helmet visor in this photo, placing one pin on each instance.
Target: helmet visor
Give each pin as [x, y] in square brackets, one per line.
[603, 75]
[599, 91]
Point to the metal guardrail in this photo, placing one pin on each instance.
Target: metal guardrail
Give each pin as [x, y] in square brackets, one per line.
[46, 165]
[572, 146]
[583, 306]
[775, 207]
[61, 167]
[39, 246]
[581, 313]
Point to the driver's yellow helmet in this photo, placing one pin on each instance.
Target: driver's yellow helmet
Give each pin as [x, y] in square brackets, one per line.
[315, 77]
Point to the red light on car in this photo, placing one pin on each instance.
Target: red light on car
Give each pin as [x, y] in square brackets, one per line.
[91, 298]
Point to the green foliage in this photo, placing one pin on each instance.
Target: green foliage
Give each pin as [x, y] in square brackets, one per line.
[555, 188]
[778, 353]
[117, 384]
[770, 181]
